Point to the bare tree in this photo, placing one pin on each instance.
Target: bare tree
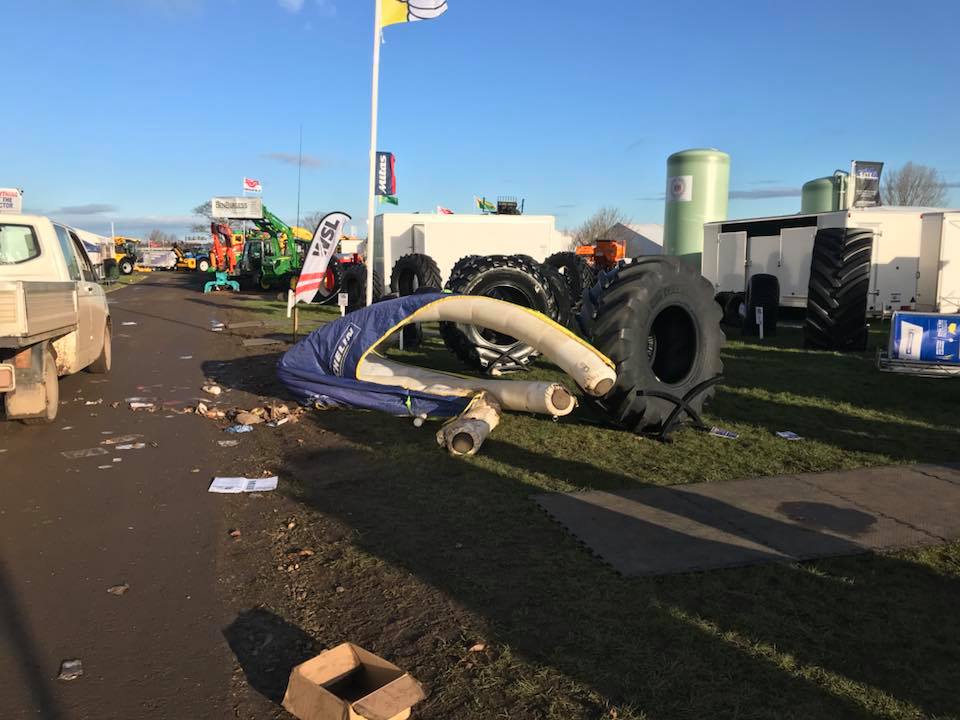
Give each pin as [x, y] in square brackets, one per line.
[915, 185]
[204, 210]
[310, 220]
[597, 225]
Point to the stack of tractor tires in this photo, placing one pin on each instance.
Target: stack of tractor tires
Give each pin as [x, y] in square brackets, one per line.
[577, 273]
[657, 320]
[514, 278]
[837, 297]
[763, 291]
[415, 272]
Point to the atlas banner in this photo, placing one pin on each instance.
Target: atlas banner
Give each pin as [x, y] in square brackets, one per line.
[925, 338]
[326, 238]
[237, 208]
[866, 183]
[11, 200]
[386, 183]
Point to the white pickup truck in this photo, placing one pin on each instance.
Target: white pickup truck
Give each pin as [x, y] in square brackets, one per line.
[54, 318]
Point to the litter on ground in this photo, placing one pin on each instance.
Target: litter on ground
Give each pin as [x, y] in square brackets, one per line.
[128, 322]
[788, 435]
[70, 670]
[241, 484]
[118, 589]
[212, 389]
[121, 439]
[228, 443]
[131, 446]
[87, 452]
[727, 434]
[239, 429]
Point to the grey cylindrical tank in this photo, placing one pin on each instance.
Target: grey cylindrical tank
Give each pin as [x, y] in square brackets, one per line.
[822, 195]
[698, 183]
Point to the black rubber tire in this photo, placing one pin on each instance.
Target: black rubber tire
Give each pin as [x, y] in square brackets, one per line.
[588, 305]
[336, 269]
[514, 278]
[51, 384]
[839, 285]
[721, 299]
[657, 320]
[355, 285]
[731, 311]
[561, 294]
[577, 272]
[126, 266]
[763, 290]
[415, 271]
[104, 360]
[203, 264]
[458, 266]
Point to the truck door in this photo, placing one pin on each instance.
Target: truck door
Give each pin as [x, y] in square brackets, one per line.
[85, 298]
[90, 293]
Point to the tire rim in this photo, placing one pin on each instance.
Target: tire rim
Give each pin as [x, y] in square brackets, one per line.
[673, 345]
[511, 293]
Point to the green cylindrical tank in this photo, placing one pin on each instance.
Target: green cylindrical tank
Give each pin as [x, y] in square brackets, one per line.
[698, 183]
[822, 195]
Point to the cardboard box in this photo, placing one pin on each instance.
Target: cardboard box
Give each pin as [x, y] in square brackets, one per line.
[350, 683]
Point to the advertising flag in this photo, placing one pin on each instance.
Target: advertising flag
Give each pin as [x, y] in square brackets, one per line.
[401, 11]
[483, 204]
[251, 185]
[866, 183]
[326, 238]
[441, 210]
[386, 174]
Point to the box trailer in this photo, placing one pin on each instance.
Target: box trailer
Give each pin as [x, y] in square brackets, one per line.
[940, 263]
[447, 238]
[734, 250]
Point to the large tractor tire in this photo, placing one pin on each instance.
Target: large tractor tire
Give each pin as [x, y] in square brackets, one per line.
[458, 266]
[126, 265]
[837, 296]
[412, 272]
[513, 278]
[332, 283]
[763, 291]
[657, 320]
[355, 285]
[577, 273]
[732, 310]
[561, 293]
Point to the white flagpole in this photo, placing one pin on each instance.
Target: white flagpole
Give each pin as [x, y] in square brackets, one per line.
[374, 98]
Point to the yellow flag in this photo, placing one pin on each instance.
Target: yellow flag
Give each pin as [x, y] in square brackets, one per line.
[401, 11]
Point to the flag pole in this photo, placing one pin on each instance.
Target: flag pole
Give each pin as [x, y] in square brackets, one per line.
[374, 98]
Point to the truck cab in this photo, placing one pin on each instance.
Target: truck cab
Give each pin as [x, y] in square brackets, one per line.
[54, 318]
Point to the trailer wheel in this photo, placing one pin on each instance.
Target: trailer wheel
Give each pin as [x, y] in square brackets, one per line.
[577, 273]
[126, 266]
[355, 285]
[731, 311]
[412, 272]
[51, 388]
[657, 320]
[763, 290]
[837, 295]
[513, 278]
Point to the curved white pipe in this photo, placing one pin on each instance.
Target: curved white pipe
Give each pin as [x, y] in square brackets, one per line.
[591, 370]
[518, 395]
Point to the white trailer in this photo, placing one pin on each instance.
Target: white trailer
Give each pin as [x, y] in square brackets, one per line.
[940, 263]
[447, 238]
[734, 250]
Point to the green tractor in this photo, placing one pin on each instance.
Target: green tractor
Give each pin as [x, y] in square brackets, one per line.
[273, 253]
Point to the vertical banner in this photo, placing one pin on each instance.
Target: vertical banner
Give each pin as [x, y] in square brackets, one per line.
[314, 271]
[866, 183]
[386, 174]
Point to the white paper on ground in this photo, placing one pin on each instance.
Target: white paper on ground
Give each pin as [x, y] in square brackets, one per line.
[789, 435]
[240, 484]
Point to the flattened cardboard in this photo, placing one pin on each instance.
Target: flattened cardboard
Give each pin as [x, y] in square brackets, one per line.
[350, 683]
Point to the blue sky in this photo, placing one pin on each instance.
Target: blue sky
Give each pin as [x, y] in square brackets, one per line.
[138, 110]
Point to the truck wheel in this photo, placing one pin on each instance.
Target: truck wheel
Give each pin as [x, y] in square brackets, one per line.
[515, 279]
[578, 275]
[126, 266]
[763, 290]
[104, 361]
[51, 387]
[412, 272]
[203, 265]
[657, 320]
[837, 295]
[263, 282]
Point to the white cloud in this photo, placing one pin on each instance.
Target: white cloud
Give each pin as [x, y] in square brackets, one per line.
[293, 6]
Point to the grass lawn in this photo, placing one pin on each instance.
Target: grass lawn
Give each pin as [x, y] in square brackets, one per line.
[438, 554]
[125, 280]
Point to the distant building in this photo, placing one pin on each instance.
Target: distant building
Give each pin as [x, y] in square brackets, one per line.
[640, 239]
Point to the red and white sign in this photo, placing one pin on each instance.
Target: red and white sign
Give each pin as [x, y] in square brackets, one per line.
[680, 188]
[251, 185]
[11, 200]
[441, 210]
[322, 249]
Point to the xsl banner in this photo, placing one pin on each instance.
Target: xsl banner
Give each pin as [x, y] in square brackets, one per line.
[866, 183]
[386, 183]
[326, 238]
